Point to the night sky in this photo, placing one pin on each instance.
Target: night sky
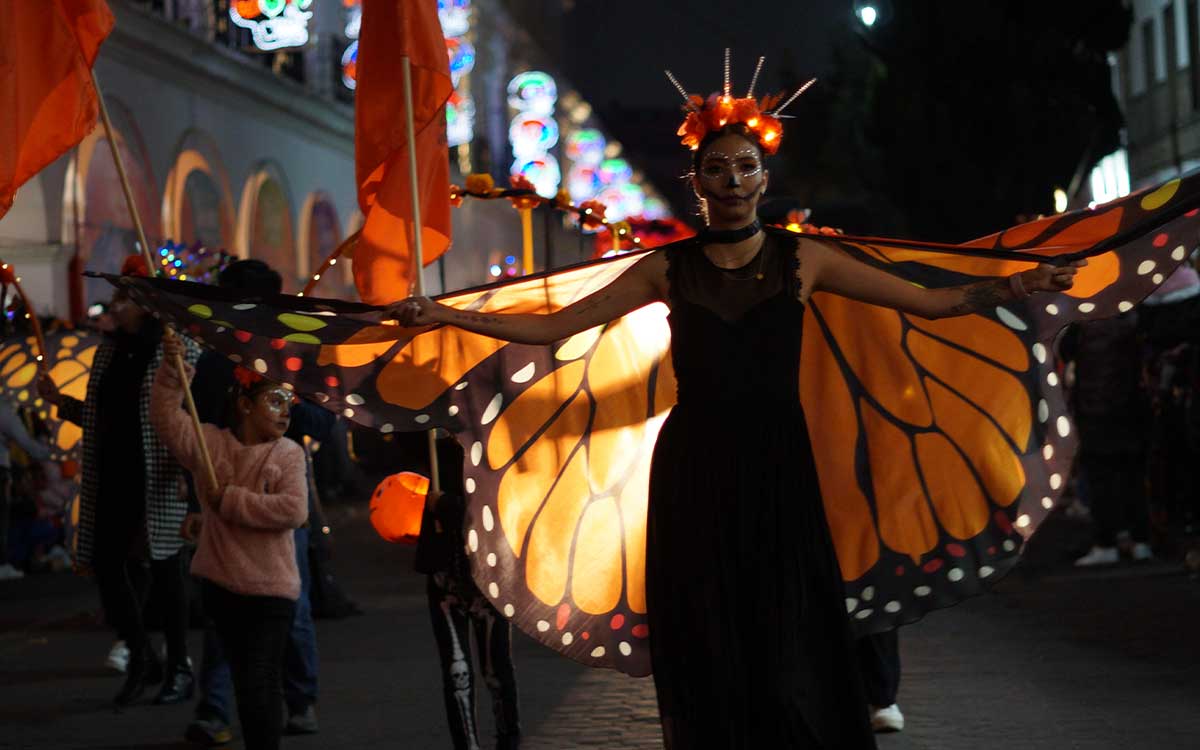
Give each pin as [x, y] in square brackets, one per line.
[617, 49]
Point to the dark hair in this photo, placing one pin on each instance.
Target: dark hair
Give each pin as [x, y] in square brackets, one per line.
[736, 128]
[251, 276]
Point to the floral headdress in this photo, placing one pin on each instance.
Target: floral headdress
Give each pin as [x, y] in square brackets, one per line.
[760, 116]
[245, 378]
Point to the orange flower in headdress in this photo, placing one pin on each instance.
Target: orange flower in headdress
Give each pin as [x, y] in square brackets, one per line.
[760, 117]
[245, 378]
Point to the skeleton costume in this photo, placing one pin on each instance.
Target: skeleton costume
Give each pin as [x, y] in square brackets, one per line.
[457, 609]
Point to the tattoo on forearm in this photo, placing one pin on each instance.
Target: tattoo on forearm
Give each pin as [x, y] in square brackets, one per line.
[591, 304]
[470, 317]
[980, 296]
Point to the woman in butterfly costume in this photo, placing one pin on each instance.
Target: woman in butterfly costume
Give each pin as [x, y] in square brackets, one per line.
[934, 444]
[749, 639]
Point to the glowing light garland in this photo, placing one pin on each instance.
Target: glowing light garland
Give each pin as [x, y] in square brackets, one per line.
[534, 131]
[273, 24]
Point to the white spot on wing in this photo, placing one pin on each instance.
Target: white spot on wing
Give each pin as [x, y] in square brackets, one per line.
[493, 409]
[525, 374]
[1010, 320]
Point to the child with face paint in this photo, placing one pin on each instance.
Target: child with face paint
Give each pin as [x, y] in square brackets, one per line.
[245, 554]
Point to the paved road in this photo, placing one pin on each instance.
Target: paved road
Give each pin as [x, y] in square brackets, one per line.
[1105, 659]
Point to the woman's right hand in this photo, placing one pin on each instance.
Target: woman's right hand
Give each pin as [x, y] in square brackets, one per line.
[414, 312]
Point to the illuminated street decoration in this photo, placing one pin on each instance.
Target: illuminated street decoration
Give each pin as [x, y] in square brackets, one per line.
[542, 170]
[462, 58]
[455, 16]
[460, 119]
[586, 146]
[583, 182]
[273, 24]
[350, 65]
[615, 171]
[533, 91]
[532, 134]
[534, 131]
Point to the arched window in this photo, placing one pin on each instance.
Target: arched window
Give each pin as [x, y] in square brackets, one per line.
[96, 216]
[265, 224]
[197, 206]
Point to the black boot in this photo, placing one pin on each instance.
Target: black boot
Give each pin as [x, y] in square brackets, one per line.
[178, 686]
[143, 671]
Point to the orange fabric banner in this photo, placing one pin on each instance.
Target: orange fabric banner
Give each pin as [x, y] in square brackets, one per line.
[384, 266]
[47, 100]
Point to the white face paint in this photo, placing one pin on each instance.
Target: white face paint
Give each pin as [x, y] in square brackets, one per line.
[722, 170]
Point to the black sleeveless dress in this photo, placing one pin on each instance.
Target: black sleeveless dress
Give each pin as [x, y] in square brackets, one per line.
[749, 638]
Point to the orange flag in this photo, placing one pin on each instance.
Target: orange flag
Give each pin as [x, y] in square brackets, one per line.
[47, 100]
[384, 264]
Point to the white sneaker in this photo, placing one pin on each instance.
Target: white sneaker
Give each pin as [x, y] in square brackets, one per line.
[888, 719]
[1141, 552]
[1099, 556]
[9, 573]
[118, 657]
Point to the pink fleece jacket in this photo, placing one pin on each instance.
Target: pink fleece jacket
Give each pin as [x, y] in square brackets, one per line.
[246, 546]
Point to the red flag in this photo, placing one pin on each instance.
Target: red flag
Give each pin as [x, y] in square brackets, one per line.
[384, 266]
[47, 100]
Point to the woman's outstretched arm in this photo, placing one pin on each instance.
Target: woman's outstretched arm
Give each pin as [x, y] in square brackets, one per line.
[826, 269]
[640, 284]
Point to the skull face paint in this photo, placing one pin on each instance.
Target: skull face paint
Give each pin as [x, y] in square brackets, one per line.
[730, 179]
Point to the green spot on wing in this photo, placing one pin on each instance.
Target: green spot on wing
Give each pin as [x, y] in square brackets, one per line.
[298, 322]
[302, 338]
[201, 311]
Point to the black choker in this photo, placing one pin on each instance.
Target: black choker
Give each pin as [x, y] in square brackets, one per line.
[730, 236]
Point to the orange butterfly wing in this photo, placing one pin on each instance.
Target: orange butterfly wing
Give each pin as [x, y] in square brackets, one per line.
[959, 441]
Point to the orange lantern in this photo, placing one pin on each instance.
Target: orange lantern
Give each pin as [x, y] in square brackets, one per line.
[397, 505]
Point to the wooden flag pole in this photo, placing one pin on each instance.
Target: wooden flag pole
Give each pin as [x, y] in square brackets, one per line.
[435, 484]
[141, 233]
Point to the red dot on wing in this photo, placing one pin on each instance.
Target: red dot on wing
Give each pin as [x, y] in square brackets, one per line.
[1002, 522]
[1160, 239]
[564, 614]
[293, 364]
[932, 566]
[956, 549]
[332, 381]
[991, 550]
[1192, 213]
[243, 336]
[641, 630]
[278, 344]
[617, 622]
[585, 635]
[899, 570]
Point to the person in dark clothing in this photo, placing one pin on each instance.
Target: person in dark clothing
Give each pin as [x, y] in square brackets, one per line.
[879, 665]
[210, 388]
[131, 503]
[457, 609]
[1112, 414]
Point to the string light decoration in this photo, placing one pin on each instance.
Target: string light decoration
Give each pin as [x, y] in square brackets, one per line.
[193, 262]
[273, 24]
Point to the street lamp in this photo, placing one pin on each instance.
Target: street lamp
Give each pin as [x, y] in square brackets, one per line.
[868, 14]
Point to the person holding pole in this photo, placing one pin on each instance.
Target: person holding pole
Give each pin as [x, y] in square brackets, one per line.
[246, 554]
[132, 500]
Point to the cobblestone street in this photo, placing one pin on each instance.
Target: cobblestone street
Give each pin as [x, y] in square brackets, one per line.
[1102, 659]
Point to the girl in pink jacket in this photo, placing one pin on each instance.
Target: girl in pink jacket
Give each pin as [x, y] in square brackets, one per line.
[245, 554]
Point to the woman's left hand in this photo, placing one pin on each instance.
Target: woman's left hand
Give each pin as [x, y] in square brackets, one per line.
[1048, 278]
